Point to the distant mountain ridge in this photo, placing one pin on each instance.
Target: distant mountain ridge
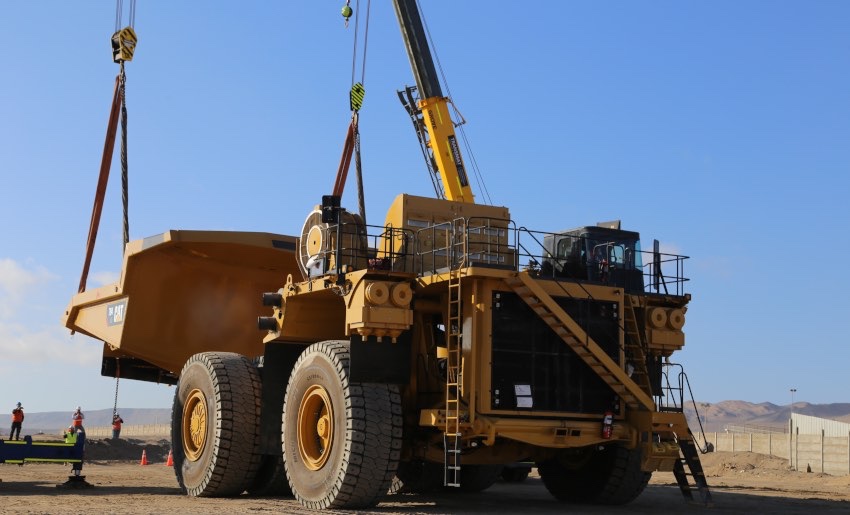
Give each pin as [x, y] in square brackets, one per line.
[716, 416]
[55, 421]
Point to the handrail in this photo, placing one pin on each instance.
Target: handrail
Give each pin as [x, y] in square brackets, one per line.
[670, 393]
[497, 242]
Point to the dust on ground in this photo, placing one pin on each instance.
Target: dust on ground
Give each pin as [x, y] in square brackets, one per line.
[741, 482]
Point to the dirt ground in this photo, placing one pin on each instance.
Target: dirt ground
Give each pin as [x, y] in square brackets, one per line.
[740, 482]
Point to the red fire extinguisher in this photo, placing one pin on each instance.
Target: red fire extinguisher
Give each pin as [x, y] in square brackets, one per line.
[607, 425]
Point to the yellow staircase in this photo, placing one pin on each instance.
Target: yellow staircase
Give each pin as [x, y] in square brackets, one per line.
[636, 342]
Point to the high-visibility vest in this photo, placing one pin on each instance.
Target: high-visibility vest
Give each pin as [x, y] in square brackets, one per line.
[17, 415]
[116, 424]
[78, 419]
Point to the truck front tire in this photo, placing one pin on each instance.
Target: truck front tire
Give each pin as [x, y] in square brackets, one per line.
[214, 425]
[609, 476]
[341, 440]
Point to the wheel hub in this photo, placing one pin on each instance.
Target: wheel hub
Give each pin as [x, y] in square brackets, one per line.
[194, 425]
[315, 427]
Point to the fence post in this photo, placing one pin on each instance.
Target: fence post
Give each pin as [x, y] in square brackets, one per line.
[751, 442]
[797, 448]
[822, 434]
[791, 443]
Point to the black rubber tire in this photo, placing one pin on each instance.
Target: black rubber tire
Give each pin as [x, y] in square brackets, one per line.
[271, 478]
[228, 460]
[419, 477]
[609, 476]
[362, 459]
[425, 477]
[515, 474]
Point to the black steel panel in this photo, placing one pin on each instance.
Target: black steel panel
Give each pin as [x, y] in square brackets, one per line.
[380, 362]
[527, 353]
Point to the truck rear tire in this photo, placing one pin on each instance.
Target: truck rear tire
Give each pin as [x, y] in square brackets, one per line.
[419, 477]
[214, 425]
[341, 440]
[426, 477]
[609, 476]
[515, 474]
[477, 478]
[271, 478]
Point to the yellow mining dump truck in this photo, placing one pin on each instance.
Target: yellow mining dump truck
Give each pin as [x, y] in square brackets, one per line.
[430, 351]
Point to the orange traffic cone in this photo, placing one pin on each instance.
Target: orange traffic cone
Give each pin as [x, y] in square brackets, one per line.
[144, 458]
[170, 461]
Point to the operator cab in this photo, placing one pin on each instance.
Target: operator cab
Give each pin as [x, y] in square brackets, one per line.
[601, 254]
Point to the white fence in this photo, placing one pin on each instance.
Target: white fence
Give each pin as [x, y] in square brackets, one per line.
[131, 430]
[827, 454]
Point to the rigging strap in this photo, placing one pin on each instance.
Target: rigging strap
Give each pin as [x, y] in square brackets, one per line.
[103, 179]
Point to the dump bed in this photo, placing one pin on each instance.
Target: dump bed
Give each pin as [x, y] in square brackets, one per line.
[180, 293]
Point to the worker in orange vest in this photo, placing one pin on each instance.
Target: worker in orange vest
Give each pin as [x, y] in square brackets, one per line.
[17, 420]
[116, 425]
[77, 420]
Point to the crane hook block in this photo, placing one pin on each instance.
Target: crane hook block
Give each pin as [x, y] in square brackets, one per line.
[356, 96]
[346, 11]
[123, 45]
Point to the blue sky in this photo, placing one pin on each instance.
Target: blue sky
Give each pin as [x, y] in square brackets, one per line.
[720, 128]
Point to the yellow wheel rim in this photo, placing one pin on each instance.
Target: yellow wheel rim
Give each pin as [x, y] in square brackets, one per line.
[315, 427]
[195, 425]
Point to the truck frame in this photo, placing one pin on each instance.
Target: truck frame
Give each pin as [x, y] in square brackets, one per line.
[430, 351]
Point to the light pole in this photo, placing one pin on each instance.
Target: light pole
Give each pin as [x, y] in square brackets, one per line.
[793, 391]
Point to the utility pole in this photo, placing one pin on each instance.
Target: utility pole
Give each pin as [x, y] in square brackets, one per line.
[793, 391]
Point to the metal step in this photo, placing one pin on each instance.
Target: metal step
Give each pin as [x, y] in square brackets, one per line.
[690, 461]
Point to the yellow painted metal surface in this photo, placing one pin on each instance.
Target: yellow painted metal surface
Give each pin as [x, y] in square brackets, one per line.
[431, 221]
[184, 292]
[435, 112]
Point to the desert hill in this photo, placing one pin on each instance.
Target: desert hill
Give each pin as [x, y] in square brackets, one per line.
[721, 415]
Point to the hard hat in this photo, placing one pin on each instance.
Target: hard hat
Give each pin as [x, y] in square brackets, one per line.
[19, 404]
[79, 408]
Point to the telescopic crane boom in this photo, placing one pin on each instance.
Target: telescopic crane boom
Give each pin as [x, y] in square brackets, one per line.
[433, 106]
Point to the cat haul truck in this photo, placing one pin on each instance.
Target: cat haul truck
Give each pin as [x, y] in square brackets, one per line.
[430, 351]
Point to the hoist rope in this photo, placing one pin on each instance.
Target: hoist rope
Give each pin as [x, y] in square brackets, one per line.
[365, 43]
[361, 199]
[352, 138]
[119, 14]
[125, 185]
[124, 176]
[124, 200]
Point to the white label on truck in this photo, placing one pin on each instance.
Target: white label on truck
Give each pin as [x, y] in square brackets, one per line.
[115, 312]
